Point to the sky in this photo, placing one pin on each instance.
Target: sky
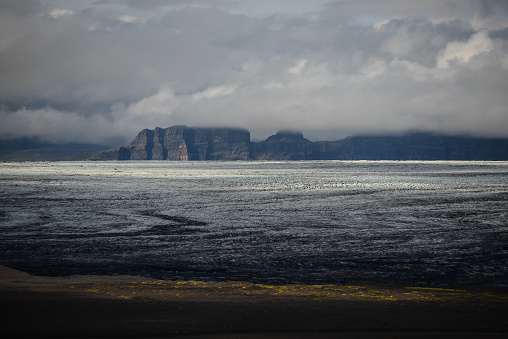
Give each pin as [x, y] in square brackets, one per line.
[99, 71]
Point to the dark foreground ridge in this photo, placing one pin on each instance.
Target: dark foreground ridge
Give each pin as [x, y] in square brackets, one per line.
[183, 143]
[136, 307]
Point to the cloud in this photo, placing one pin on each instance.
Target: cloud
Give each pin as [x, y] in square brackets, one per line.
[215, 92]
[297, 69]
[346, 68]
[463, 52]
[428, 8]
[374, 68]
[129, 18]
[161, 103]
[54, 125]
[154, 110]
[57, 12]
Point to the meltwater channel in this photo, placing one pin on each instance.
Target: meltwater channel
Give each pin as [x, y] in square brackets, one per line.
[418, 223]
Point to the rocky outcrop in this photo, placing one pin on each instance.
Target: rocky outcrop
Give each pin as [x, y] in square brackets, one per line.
[175, 143]
[219, 144]
[182, 143]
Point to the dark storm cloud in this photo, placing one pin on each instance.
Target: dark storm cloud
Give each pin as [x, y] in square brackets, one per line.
[110, 68]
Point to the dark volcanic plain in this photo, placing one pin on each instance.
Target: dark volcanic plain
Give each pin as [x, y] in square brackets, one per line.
[287, 249]
[126, 306]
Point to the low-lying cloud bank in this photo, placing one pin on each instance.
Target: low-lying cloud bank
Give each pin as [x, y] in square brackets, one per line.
[90, 73]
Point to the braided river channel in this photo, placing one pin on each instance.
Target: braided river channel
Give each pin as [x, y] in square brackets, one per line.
[314, 222]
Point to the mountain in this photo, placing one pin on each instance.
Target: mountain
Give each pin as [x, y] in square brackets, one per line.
[183, 143]
[416, 146]
[31, 149]
[190, 143]
[285, 145]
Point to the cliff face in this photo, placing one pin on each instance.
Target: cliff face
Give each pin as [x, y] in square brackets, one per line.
[175, 144]
[182, 143]
[219, 144]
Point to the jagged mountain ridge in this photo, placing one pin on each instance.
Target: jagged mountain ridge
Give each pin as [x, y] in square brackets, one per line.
[183, 143]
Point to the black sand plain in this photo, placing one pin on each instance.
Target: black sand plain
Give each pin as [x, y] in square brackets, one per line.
[135, 307]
